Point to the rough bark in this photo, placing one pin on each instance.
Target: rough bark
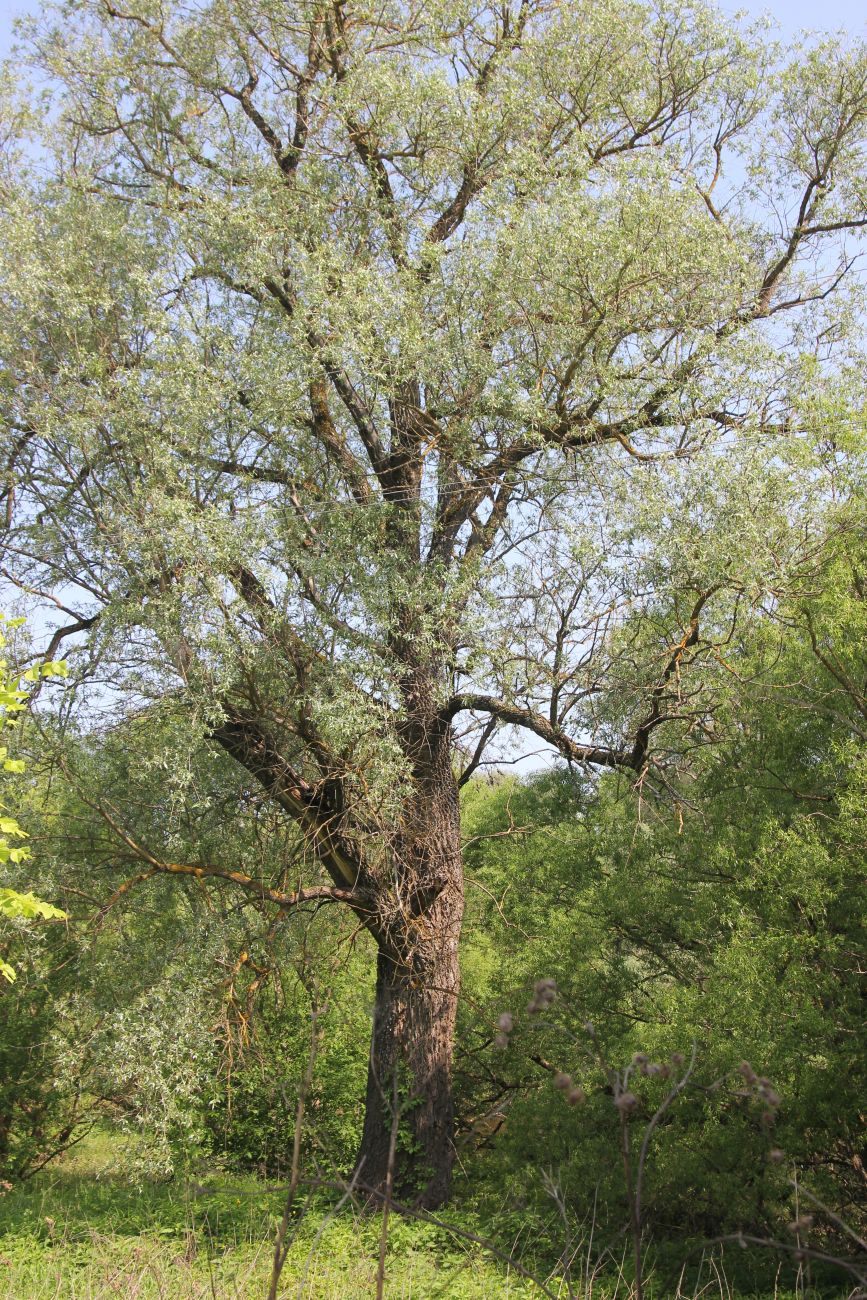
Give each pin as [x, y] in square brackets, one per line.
[413, 1036]
[417, 984]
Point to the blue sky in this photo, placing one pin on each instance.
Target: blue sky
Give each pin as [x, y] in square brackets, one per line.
[792, 15]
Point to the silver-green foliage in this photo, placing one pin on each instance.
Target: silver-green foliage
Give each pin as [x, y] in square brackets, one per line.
[559, 238]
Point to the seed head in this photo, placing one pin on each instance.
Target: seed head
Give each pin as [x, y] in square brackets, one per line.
[768, 1094]
[544, 993]
[802, 1224]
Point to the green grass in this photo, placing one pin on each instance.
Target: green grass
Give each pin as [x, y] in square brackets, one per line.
[84, 1229]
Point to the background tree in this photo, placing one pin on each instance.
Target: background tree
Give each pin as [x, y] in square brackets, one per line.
[736, 925]
[354, 364]
[184, 1009]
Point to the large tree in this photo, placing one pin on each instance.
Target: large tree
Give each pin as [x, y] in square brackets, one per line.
[358, 362]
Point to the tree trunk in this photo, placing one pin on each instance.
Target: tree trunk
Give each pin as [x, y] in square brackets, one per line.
[417, 981]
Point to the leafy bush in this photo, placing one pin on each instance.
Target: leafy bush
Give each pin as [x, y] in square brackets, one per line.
[250, 1103]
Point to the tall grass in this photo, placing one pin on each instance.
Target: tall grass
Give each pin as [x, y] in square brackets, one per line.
[86, 1230]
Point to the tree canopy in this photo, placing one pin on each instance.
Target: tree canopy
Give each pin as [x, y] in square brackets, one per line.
[381, 382]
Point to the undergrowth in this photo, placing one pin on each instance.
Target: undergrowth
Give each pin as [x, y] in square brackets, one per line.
[84, 1229]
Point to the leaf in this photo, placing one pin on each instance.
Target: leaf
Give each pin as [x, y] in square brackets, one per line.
[55, 668]
[28, 906]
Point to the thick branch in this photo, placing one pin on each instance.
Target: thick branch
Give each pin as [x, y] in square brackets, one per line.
[657, 714]
[475, 178]
[200, 871]
[328, 434]
[598, 755]
[246, 740]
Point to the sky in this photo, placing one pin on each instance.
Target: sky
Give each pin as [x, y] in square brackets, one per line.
[792, 15]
